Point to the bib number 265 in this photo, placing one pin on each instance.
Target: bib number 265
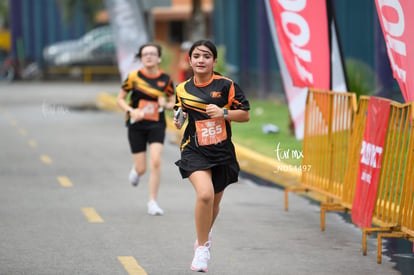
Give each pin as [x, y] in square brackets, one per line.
[211, 131]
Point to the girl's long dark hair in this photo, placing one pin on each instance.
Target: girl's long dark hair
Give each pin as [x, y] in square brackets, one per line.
[210, 45]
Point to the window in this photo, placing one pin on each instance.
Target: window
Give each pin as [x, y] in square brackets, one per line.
[176, 31]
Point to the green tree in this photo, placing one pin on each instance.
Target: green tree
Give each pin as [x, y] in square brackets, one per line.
[4, 13]
[361, 77]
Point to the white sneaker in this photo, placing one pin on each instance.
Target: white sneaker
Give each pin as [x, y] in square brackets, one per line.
[133, 177]
[201, 258]
[154, 209]
[210, 241]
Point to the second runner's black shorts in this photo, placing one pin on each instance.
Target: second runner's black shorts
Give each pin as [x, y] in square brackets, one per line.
[138, 137]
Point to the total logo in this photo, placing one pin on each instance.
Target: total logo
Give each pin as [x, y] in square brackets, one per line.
[370, 153]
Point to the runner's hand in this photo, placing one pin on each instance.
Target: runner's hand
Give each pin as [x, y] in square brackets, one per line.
[162, 102]
[179, 118]
[136, 115]
[214, 111]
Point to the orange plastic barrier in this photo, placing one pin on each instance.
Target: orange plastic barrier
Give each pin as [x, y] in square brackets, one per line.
[328, 128]
[334, 130]
[387, 213]
[394, 212]
[350, 177]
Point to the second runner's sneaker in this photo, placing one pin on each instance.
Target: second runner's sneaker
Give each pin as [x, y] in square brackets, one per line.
[154, 209]
[133, 177]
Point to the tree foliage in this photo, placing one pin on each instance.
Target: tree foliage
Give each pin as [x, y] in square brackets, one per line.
[4, 13]
[361, 77]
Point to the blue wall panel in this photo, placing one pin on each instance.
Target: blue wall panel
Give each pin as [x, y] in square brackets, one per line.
[356, 20]
[242, 27]
[38, 23]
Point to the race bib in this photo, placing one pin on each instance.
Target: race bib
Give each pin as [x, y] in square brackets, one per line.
[211, 131]
[150, 109]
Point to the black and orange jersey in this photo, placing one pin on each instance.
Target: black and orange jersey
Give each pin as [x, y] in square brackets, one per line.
[148, 87]
[194, 98]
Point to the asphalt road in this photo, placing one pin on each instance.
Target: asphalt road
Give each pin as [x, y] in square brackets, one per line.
[66, 206]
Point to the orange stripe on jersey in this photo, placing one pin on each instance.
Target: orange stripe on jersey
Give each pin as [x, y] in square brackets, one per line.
[144, 87]
[181, 92]
[127, 85]
[191, 107]
[135, 82]
[189, 101]
[150, 76]
[232, 93]
[170, 89]
[196, 104]
[185, 143]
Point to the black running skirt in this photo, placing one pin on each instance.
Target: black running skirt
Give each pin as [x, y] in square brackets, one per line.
[222, 174]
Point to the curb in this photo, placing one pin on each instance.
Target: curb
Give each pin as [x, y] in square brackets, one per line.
[107, 102]
[263, 167]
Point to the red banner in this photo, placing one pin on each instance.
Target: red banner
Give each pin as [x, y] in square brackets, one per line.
[370, 161]
[302, 30]
[396, 18]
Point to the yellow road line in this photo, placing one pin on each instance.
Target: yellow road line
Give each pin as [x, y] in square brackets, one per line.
[92, 215]
[45, 159]
[131, 265]
[64, 181]
[32, 143]
[22, 132]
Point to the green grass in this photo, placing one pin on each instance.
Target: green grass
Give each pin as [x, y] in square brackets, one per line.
[250, 134]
